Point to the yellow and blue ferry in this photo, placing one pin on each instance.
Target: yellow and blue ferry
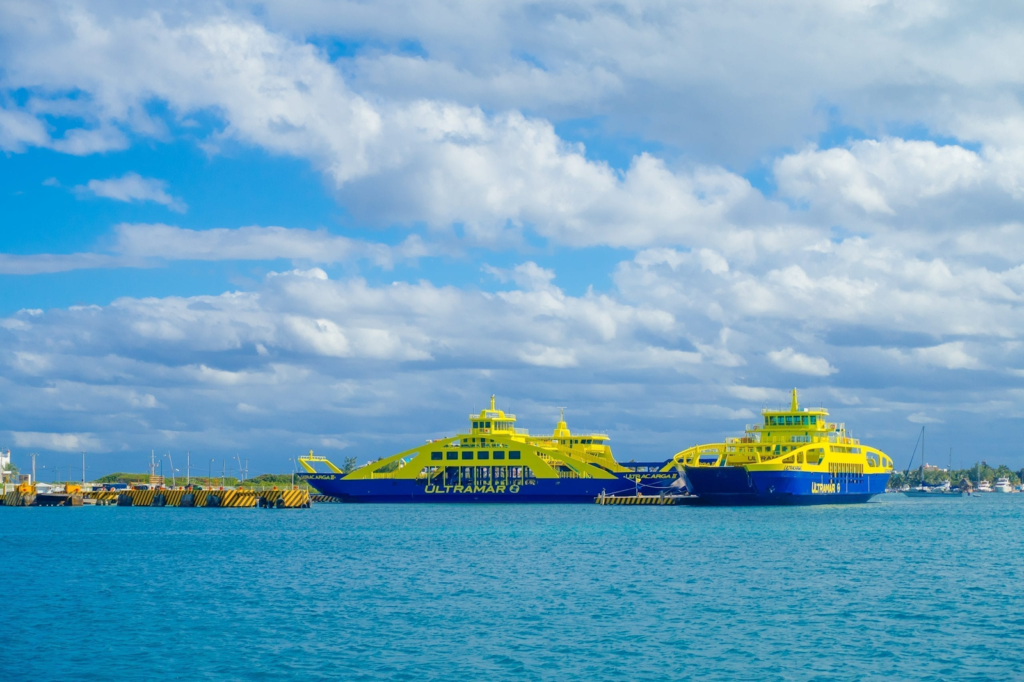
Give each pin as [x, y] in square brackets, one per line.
[794, 457]
[497, 462]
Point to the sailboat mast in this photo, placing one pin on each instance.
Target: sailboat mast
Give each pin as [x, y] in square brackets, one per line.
[922, 457]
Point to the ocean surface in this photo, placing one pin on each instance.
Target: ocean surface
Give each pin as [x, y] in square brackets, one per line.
[895, 589]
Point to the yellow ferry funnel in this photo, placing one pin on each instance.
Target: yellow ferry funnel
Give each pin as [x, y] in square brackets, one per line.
[561, 429]
[492, 401]
[794, 407]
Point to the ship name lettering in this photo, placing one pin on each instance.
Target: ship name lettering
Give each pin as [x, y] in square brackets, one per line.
[488, 489]
[818, 488]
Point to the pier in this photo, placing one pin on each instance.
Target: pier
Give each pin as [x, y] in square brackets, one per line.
[179, 497]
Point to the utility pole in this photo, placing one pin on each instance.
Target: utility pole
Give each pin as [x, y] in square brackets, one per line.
[188, 468]
[152, 464]
[222, 473]
[33, 456]
[241, 471]
[209, 475]
[83, 471]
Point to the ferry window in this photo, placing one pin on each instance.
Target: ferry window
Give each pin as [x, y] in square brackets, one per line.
[789, 421]
[467, 455]
[800, 458]
[499, 455]
[435, 455]
[814, 420]
[483, 455]
[453, 455]
[806, 421]
[514, 454]
[771, 421]
[476, 425]
[487, 425]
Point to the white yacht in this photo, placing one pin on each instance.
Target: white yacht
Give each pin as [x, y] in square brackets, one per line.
[984, 486]
[1003, 485]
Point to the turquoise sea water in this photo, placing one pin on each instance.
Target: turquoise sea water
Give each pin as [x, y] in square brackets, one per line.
[898, 589]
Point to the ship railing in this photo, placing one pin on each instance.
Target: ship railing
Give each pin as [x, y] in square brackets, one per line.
[521, 432]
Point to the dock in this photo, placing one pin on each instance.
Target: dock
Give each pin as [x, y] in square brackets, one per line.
[209, 499]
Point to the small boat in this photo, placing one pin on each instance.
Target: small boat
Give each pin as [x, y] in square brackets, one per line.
[984, 487]
[944, 489]
[1003, 486]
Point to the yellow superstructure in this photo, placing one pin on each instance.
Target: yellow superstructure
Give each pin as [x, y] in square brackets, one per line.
[492, 433]
[791, 440]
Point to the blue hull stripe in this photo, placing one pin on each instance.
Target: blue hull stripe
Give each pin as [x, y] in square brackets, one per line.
[736, 486]
[565, 490]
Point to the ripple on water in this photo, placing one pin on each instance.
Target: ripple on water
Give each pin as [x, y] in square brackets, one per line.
[904, 589]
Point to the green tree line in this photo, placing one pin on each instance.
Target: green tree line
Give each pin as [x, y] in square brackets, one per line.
[261, 481]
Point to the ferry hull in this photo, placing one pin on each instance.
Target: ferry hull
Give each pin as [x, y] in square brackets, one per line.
[732, 485]
[547, 491]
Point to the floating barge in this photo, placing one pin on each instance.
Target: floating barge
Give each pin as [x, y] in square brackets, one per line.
[264, 499]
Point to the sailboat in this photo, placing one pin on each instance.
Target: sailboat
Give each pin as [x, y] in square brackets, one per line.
[944, 489]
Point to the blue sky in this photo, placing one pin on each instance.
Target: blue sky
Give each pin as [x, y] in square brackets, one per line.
[264, 228]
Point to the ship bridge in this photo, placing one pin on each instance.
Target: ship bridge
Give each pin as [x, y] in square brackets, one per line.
[492, 421]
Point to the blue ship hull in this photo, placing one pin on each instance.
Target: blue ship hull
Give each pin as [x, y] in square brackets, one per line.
[536, 490]
[730, 485]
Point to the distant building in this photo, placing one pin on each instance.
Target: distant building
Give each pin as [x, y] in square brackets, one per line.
[932, 467]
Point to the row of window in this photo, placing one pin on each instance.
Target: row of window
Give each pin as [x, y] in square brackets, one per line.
[500, 426]
[455, 475]
[797, 420]
[468, 454]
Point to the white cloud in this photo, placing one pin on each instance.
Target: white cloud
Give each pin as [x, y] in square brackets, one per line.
[757, 394]
[792, 361]
[434, 162]
[543, 356]
[897, 257]
[146, 245]
[19, 129]
[948, 355]
[526, 275]
[882, 177]
[61, 442]
[34, 264]
[644, 66]
[132, 187]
